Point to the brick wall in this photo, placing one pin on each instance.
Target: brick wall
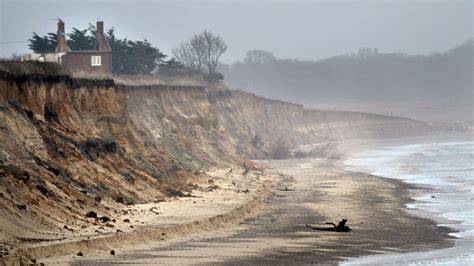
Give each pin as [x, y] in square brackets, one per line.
[79, 63]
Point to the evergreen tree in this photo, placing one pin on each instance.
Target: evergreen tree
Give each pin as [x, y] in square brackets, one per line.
[142, 57]
[171, 67]
[80, 40]
[43, 44]
[119, 52]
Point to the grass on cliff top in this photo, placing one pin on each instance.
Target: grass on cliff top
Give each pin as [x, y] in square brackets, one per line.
[19, 68]
[161, 79]
[15, 67]
[138, 80]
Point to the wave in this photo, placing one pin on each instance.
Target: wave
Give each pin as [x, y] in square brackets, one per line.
[448, 168]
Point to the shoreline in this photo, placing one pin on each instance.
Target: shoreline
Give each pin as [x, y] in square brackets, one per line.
[313, 191]
[304, 191]
[412, 234]
[430, 200]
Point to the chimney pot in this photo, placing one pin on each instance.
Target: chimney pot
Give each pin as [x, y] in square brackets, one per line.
[60, 26]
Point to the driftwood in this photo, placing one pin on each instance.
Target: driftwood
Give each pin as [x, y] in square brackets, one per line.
[340, 227]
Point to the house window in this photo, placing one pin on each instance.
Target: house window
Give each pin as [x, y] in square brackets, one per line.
[96, 60]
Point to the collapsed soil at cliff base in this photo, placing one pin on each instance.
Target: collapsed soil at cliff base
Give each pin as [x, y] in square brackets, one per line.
[313, 191]
[227, 197]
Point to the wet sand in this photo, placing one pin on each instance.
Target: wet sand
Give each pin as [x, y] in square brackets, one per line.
[314, 191]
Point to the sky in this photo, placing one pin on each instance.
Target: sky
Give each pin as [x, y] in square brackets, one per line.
[305, 30]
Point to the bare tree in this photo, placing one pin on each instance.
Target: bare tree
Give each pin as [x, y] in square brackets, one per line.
[185, 54]
[214, 47]
[202, 52]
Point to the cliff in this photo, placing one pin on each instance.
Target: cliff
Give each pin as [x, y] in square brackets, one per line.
[257, 125]
[71, 145]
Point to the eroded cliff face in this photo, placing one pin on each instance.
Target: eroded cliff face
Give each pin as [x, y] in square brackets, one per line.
[70, 146]
[181, 121]
[257, 125]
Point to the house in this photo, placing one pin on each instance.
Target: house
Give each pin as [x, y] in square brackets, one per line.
[89, 63]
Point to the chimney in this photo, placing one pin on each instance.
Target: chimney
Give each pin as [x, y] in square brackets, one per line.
[100, 27]
[101, 43]
[62, 45]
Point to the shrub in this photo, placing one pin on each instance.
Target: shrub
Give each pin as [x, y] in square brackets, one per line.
[214, 77]
[16, 67]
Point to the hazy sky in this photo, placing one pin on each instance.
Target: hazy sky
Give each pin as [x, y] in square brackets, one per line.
[290, 29]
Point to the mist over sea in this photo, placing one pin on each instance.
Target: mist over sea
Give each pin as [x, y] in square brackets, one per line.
[446, 170]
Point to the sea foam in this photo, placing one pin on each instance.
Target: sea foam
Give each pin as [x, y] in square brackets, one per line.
[447, 169]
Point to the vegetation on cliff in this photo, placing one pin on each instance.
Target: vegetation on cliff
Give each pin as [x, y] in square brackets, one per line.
[200, 55]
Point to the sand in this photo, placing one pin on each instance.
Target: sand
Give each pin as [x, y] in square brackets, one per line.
[226, 197]
[312, 191]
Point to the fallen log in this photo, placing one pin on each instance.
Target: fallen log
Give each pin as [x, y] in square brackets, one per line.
[340, 227]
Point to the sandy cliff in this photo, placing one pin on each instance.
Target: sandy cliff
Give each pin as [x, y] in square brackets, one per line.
[69, 146]
[256, 124]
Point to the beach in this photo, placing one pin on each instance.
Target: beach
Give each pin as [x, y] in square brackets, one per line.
[225, 197]
[310, 191]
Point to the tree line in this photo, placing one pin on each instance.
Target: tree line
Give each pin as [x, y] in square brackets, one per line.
[199, 55]
[364, 76]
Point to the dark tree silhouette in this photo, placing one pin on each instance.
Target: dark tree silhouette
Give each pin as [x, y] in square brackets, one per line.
[171, 67]
[364, 76]
[80, 40]
[43, 44]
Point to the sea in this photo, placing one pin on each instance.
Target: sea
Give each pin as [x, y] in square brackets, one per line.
[446, 169]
